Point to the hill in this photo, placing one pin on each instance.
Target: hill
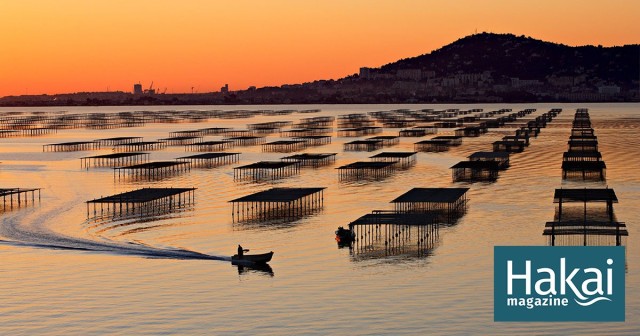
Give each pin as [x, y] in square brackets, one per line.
[507, 55]
[478, 68]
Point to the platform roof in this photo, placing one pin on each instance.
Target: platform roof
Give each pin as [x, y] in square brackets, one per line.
[395, 218]
[12, 191]
[186, 132]
[118, 138]
[312, 137]
[309, 156]
[367, 165]
[446, 137]
[583, 165]
[154, 165]
[210, 143]
[114, 155]
[71, 143]
[443, 195]
[434, 141]
[141, 195]
[208, 155]
[364, 142]
[510, 142]
[244, 137]
[214, 129]
[583, 137]
[185, 137]
[284, 142]
[583, 143]
[585, 195]
[489, 155]
[384, 137]
[588, 223]
[140, 143]
[360, 128]
[394, 155]
[484, 165]
[278, 195]
[267, 165]
[515, 137]
[589, 153]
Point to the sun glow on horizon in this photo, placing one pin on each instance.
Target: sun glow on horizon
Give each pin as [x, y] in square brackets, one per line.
[72, 45]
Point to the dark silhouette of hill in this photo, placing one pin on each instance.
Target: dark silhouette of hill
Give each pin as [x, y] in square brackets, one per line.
[507, 55]
[479, 68]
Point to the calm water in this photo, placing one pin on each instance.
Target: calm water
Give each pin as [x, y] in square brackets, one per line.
[64, 275]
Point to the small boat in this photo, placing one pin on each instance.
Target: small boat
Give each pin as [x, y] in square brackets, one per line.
[253, 258]
[344, 236]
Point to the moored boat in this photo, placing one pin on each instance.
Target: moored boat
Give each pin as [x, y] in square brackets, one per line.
[344, 236]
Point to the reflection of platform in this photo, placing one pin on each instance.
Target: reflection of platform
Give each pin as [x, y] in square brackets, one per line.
[404, 159]
[515, 146]
[284, 146]
[113, 160]
[17, 197]
[359, 131]
[585, 170]
[71, 146]
[246, 140]
[389, 233]
[277, 203]
[367, 169]
[140, 145]
[368, 145]
[471, 131]
[448, 204]
[118, 140]
[142, 202]
[266, 170]
[269, 127]
[208, 146]
[209, 160]
[153, 170]
[585, 217]
[588, 233]
[472, 171]
[311, 159]
[580, 145]
[438, 144]
[502, 158]
[181, 140]
[314, 140]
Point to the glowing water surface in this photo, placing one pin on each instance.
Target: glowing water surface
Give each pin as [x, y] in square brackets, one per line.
[63, 274]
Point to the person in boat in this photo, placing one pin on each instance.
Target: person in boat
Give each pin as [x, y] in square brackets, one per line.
[240, 251]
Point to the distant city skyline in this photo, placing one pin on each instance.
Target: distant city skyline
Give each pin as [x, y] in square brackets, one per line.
[73, 46]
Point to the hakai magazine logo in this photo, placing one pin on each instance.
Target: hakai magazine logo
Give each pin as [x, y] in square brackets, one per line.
[564, 283]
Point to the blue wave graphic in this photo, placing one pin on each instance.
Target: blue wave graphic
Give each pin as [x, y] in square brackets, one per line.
[592, 301]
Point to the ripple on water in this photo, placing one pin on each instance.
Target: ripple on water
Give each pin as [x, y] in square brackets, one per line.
[140, 274]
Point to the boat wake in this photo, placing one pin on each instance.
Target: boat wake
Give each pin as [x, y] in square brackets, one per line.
[29, 229]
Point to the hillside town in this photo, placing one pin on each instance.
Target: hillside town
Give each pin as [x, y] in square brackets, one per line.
[480, 68]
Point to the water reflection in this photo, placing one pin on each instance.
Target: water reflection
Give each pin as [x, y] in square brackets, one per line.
[100, 225]
[390, 241]
[262, 269]
[275, 223]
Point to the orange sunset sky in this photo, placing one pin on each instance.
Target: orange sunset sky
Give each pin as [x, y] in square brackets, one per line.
[77, 45]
